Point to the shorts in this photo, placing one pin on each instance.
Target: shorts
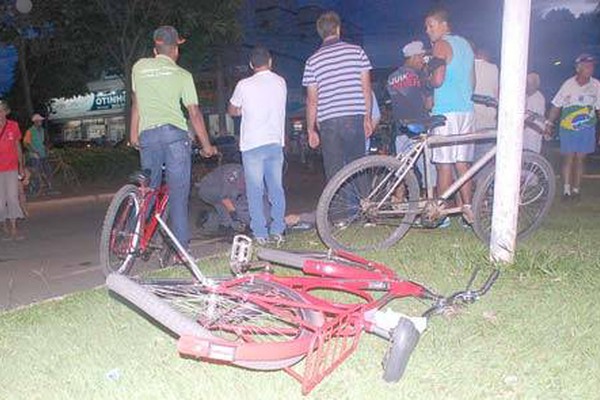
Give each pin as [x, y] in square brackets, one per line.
[457, 123]
[583, 141]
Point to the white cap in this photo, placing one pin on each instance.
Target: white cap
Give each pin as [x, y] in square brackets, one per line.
[413, 48]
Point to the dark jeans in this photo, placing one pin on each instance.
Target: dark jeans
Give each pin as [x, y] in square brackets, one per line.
[342, 141]
[170, 146]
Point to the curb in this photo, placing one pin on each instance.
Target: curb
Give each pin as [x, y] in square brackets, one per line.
[75, 200]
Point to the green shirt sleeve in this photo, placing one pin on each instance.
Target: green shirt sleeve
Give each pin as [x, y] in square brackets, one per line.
[189, 96]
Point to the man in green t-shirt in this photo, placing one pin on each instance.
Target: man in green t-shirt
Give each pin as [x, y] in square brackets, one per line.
[159, 127]
[37, 154]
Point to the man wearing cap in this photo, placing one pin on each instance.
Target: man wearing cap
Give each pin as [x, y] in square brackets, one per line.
[37, 153]
[11, 166]
[453, 81]
[338, 97]
[577, 104]
[159, 127]
[411, 99]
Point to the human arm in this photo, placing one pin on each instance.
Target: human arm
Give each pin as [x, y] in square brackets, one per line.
[598, 125]
[443, 52]
[21, 165]
[197, 120]
[365, 83]
[311, 116]
[234, 111]
[553, 116]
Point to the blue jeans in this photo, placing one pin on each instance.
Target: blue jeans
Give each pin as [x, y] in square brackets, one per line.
[170, 146]
[263, 166]
[342, 141]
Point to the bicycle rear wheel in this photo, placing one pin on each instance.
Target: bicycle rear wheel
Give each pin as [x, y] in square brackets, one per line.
[121, 232]
[245, 323]
[538, 186]
[363, 207]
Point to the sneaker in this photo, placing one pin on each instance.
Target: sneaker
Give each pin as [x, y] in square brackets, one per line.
[445, 223]
[277, 239]
[301, 226]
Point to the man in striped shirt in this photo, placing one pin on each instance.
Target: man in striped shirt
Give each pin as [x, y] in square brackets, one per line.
[338, 82]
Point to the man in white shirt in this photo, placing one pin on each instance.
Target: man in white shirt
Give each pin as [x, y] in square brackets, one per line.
[486, 84]
[261, 100]
[535, 101]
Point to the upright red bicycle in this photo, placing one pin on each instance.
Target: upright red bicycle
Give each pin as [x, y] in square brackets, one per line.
[263, 321]
[130, 226]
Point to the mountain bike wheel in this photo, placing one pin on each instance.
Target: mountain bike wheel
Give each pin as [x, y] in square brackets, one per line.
[121, 232]
[244, 324]
[538, 186]
[363, 207]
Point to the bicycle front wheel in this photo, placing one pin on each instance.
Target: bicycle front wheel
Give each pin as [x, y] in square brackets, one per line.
[250, 323]
[366, 207]
[121, 232]
[538, 186]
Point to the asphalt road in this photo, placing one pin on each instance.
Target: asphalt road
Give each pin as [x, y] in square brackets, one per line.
[60, 253]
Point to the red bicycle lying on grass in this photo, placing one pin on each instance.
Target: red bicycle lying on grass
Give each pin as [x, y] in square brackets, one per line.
[259, 320]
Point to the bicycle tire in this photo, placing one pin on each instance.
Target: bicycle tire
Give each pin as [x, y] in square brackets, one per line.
[296, 259]
[130, 230]
[537, 190]
[403, 341]
[355, 190]
[177, 305]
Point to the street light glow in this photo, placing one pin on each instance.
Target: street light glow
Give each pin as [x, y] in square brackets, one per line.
[23, 6]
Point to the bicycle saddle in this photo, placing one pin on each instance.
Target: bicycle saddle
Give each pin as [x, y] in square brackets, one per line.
[140, 177]
[420, 126]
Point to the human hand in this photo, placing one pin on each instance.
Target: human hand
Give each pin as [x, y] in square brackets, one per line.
[313, 139]
[238, 226]
[134, 142]
[209, 151]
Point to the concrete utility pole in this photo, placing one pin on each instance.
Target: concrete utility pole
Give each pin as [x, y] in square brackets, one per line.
[511, 113]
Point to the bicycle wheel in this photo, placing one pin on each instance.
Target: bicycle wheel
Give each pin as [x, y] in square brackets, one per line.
[245, 322]
[538, 186]
[296, 259]
[121, 232]
[363, 207]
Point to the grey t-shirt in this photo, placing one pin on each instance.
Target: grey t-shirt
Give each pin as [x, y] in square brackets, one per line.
[224, 182]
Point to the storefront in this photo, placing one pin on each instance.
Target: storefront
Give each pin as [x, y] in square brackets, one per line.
[95, 117]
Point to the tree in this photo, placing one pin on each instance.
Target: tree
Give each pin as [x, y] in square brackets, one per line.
[120, 31]
[49, 62]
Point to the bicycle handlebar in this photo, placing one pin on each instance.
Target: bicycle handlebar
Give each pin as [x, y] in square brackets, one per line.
[466, 296]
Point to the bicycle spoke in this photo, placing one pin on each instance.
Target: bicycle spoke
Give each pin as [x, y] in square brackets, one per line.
[236, 314]
[370, 207]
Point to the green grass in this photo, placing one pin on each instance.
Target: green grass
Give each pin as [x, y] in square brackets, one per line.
[534, 336]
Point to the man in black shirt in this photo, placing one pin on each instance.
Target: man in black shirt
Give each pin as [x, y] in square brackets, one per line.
[410, 97]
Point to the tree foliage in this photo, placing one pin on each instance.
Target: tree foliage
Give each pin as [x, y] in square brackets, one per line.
[55, 64]
[119, 32]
